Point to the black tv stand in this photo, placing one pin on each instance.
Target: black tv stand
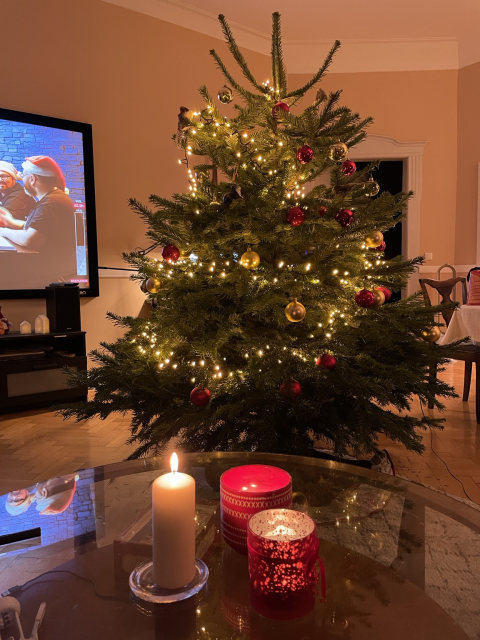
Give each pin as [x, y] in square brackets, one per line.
[31, 374]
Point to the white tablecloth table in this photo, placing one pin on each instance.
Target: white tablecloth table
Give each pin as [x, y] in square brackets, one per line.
[465, 322]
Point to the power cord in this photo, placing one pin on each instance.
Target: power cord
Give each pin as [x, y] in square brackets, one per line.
[20, 588]
[440, 458]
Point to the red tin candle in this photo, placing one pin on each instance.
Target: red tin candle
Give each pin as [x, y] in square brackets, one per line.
[247, 490]
[283, 563]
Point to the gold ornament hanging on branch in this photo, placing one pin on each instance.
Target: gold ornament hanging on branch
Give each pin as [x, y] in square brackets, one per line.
[295, 311]
[153, 284]
[431, 334]
[371, 188]
[379, 298]
[374, 239]
[250, 259]
[338, 152]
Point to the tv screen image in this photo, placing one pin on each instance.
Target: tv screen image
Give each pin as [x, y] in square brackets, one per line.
[47, 205]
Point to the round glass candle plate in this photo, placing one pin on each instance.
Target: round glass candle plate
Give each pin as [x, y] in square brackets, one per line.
[142, 584]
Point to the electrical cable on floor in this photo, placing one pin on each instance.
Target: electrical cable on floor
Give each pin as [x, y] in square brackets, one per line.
[35, 581]
[440, 458]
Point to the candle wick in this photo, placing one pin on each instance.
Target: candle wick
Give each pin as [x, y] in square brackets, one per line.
[174, 471]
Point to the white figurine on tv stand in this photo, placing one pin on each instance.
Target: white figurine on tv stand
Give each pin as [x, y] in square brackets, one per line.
[42, 324]
[10, 619]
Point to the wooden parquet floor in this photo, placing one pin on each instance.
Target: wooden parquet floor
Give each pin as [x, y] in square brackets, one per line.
[37, 445]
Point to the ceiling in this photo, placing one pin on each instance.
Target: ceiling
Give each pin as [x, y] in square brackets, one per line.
[381, 35]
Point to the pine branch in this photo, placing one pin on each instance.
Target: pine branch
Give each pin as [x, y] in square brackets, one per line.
[243, 92]
[278, 68]
[318, 76]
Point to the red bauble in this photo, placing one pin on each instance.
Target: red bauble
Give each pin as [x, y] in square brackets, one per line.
[322, 211]
[365, 298]
[279, 106]
[381, 247]
[344, 217]
[305, 154]
[348, 167]
[4, 324]
[170, 253]
[291, 389]
[386, 292]
[200, 396]
[327, 361]
[295, 216]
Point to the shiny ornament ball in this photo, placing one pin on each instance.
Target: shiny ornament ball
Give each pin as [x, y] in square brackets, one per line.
[153, 284]
[291, 389]
[278, 108]
[431, 334]
[143, 286]
[344, 217]
[386, 292]
[250, 259]
[374, 239]
[365, 298]
[381, 247]
[225, 95]
[348, 167]
[338, 152]
[326, 361]
[322, 211]
[295, 311]
[379, 298]
[200, 397]
[170, 253]
[295, 216]
[305, 154]
[371, 188]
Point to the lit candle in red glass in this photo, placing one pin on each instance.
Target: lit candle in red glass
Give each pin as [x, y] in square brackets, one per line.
[247, 490]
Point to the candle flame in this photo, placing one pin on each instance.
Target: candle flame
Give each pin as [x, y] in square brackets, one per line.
[174, 462]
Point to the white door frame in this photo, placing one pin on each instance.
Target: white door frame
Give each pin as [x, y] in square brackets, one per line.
[376, 147]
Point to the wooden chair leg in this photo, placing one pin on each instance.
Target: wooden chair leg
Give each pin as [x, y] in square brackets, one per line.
[477, 391]
[433, 376]
[467, 380]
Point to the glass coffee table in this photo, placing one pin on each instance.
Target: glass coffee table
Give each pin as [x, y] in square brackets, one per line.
[401, 561]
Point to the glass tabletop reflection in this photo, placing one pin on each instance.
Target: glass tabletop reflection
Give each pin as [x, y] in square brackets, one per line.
[399, 558]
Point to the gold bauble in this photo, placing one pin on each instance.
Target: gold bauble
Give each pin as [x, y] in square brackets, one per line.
[153, 284]
[431, 334]
[379, 297]
[250, 259]
[295, 311]
[374, 239]
[371, 188]
[338, 152]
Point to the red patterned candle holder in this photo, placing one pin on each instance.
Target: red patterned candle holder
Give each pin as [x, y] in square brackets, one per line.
[283, 563]
[247, 490]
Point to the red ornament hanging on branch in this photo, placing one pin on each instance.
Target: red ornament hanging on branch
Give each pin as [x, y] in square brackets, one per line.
[322, 211]
[278, 108]
[344, 217]
[365, 298]
[348, 167]
[295, 216]
[326, 361]
[305, 154]
[291, 389]
[170, 253]
[200, 396]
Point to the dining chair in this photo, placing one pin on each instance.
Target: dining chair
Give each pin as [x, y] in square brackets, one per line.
[468, 353]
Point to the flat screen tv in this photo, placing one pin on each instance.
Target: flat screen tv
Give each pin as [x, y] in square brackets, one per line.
[47, 205]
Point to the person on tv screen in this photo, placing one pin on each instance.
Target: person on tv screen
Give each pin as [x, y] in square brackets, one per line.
[15, 203]
[50, 226]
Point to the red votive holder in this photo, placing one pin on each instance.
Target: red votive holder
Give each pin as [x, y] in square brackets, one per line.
[283, 563]
[247, 490]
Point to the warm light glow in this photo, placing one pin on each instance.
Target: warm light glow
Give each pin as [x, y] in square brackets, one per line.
[174, 462]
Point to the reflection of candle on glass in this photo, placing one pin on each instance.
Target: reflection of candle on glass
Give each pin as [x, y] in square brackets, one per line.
[173, 503]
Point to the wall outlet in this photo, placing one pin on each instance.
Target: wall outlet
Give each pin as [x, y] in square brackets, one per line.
[429, 256]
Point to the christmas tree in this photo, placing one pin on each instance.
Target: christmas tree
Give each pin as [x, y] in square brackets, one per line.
[270, 328]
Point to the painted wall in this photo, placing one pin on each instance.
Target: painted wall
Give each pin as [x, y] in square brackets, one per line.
[468, 159]
[413, 106]
[126, 74]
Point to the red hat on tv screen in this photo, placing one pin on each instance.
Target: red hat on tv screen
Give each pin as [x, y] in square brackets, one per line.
[44, 166]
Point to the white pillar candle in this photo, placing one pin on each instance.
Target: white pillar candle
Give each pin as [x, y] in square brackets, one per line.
[173, 503]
